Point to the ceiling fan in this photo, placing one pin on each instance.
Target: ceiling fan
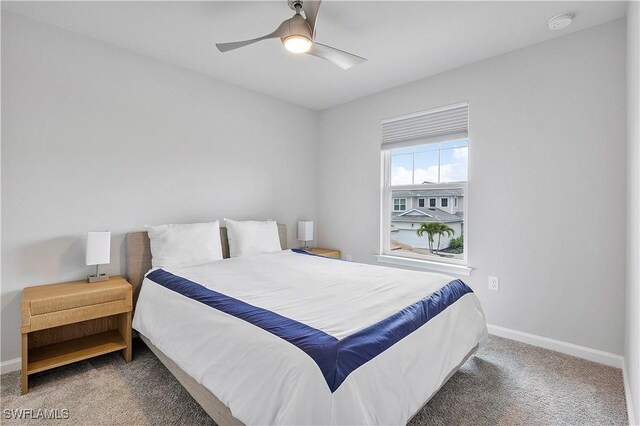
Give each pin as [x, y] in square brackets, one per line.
[298, 35]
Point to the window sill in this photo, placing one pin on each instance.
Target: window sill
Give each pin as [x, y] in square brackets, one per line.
[440, 267]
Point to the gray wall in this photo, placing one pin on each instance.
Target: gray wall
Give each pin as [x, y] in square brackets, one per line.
[132, 141]
[632, 341]
[547, 126]
[95, 137]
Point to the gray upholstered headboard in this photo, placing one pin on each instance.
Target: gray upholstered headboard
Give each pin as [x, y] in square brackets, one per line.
[139, 254]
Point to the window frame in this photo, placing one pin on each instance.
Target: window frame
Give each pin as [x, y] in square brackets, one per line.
[393, 201]
[446, 202]
[424, 202]
[423, 261]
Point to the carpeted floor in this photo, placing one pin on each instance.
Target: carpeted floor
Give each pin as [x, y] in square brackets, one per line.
[505, 383]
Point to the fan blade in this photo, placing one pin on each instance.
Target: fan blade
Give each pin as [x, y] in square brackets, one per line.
[311, 8]
[225, 47]
[344, 60]
[281, 31]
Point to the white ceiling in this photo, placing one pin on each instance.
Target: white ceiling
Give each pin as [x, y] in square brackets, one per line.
[403, 41]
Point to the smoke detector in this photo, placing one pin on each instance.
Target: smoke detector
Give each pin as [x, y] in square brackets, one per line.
[561, 21]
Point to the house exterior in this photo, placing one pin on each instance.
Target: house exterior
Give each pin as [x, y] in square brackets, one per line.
[410, 209]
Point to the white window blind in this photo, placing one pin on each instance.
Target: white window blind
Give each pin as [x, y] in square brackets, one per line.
[436, 125]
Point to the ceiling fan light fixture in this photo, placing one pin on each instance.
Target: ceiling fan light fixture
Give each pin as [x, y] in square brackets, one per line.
[297, 35]
[297, 44]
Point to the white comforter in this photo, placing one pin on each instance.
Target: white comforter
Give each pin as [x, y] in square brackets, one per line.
[264, 379]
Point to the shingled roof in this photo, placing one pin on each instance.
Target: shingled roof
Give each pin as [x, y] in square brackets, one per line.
[425, 215]
[428, 193]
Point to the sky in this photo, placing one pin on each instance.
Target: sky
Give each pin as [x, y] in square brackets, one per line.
[421, 163]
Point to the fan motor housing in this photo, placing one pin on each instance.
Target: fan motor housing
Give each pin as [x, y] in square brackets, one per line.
[298, 26]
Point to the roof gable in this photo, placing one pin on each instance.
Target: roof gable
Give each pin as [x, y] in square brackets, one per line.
[415, 212]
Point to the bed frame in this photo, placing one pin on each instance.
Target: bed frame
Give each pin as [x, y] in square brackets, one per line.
[138, 264]
[220, 413]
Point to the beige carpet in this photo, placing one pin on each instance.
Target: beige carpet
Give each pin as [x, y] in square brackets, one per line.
[505, 383]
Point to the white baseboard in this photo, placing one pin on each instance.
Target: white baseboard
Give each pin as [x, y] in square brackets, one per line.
[594, 355]
[10, 365]
[627, 394]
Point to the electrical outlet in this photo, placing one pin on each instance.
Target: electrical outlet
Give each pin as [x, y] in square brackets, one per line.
[347, 257]
[494, 283]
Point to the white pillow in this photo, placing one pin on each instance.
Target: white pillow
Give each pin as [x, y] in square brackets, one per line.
[180, 245]
[251, 237]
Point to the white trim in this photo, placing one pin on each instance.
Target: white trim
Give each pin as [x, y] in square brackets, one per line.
[567, 348]
[427, 187]
[446, 268]
[10, 365]
[385, 207]
[415, 210]
[627, 395]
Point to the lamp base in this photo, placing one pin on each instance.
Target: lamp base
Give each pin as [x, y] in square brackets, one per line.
[97, 278]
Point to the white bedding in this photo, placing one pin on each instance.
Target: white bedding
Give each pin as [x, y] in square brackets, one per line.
[264, 379]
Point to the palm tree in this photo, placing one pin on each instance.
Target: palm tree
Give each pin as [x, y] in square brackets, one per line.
[432, 229]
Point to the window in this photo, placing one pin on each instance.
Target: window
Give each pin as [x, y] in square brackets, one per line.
[428, 164]
[426, 154]
[399, 204]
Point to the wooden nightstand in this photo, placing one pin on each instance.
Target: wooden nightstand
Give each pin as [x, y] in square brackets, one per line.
[335, 254]
[68, 322]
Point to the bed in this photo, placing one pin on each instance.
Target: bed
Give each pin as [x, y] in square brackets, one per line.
[293, 338]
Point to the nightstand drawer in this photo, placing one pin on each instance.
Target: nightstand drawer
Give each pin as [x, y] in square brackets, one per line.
[63, 303]
[54, 305]
[70, 316]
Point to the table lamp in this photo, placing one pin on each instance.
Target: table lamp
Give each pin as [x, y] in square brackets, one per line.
[305, 232]
[98, 253]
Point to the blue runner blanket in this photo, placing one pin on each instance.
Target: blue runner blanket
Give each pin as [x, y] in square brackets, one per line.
[335, 358]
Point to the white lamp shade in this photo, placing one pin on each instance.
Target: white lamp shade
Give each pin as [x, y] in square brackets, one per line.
[305, 230]
[98, 248]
